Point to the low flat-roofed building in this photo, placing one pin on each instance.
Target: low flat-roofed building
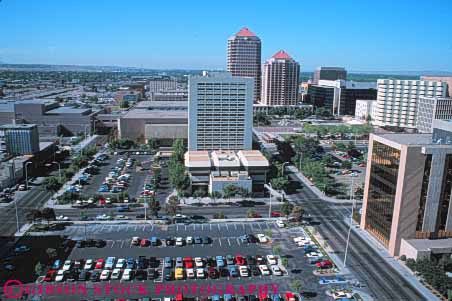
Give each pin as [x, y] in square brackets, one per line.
[217, 169]
[161, 121]
[426, 248]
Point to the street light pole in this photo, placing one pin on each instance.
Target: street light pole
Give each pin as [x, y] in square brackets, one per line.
[270, 207]
[26, 175]
[351, 222]
[282, 168]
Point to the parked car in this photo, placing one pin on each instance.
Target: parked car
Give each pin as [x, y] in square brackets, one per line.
[127, 275]
[116, 274]
[276, 270]
[264, 270]
[105, 275]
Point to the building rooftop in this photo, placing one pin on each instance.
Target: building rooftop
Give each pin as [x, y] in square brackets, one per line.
[252, 158]
[69, 110]
[225, 159]
[17, 126]
[162, 104]
[156, 114]
[245, 32]
[282, 55]
[408, 139]
[197, 159]
[429, 244]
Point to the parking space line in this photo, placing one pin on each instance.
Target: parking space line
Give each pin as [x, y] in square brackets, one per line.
[235, 226]
[202, 227]
[229, 242]
[252, 228]
[118, 229]
[101, 228]
[243, 225]
[219, 241]
[135, 229]
[110, 228]
[112, 244]
[259, 224]
[122, 244]
[177, 227]
[227, 228]
[210, 226]
[185, 227]
[218, 227]
[238, 241]
[144, 228]
[152, 227]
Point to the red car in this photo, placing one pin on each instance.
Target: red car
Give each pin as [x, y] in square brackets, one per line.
[290, 296]
[240, 260]
[144, 242]
[188, 262]
[50, 275]
[276, 214]
[213, 273]
[326, 264]
[99, 263]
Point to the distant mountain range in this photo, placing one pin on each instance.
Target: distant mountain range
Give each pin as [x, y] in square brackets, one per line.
[46, 67]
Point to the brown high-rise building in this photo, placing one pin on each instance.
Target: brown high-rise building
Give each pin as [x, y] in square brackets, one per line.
[280, 80]
[244, 57]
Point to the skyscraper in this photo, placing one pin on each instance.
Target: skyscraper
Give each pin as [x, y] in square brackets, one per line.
[220, 112]
[244, 57]
[329, 73]
[280, 80]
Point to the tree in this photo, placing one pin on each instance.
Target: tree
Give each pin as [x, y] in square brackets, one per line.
[277, 249]
[199, 193]
[250, 213]
[48, 214]
[284, 261]
[150, 144]
[178, 150]
[177, 175]
[52, 183]
[33, 215]
[219, 215]
[154, 206]
[286, 209]
[297, 213]
[124, 104]
[308, 147]
[346, 164]
[296, 285]
[51, 253]
[280, 183]
[261, 118]
[172, 206]
[216, 195]
[39, 268]
[323, 112]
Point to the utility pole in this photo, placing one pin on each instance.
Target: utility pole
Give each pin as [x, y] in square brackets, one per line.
[351, 224]
[270, 206]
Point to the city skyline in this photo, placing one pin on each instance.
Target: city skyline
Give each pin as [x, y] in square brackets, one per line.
[151, 36]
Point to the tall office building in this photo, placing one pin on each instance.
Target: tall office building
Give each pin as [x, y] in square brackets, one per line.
[430, 108]
[244, 57]
[339, 96]
[220, 112]
[408, 190]
[20, 139]
[329, 73]
[446, 79]
[280, 80]
[397, 100]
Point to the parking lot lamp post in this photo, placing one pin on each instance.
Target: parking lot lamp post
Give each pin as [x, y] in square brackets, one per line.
[351, 222]
[26, 175]
[282, 168]
[270, 206]
[59, 169]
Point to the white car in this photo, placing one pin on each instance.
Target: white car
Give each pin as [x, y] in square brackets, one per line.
[243, 270]
[105, 275]
[135, 241]
[271, 259]
[200, 274]
[276, 270]
[262, 238]
[62, 218]
[121, 216]
[198, 262]
[298, 239]
[59, 276]
[190, 273]
[88, 264]
[127, 275]
[264, 270]
[313, 254]
[189, 240]
[115, 275]
[280, 224]
[67, 265]
[120, 263]
[179, 242]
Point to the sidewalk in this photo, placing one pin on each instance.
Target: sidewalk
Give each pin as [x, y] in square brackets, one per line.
[399, 267]
[314, 189]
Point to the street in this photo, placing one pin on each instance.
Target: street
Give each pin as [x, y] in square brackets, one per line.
[382, 280]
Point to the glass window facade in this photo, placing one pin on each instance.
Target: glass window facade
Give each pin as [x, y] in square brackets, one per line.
[445, 195]
[382, 189]
[423, 199]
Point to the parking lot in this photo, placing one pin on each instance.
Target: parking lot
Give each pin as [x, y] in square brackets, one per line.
[224, 239]
[137, 178]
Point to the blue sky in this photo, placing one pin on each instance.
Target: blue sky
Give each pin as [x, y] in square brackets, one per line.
[357, 34]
